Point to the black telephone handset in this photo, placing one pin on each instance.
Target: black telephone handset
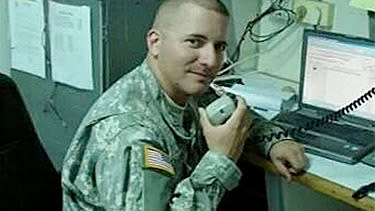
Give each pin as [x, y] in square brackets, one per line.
[221, 109]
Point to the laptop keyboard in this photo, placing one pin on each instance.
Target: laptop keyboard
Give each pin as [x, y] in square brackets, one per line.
[339, 142]
[327, 143]
[348, 133]
[332, 148]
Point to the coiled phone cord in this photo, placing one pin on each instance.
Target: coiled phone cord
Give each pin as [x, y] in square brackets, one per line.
[325, 119]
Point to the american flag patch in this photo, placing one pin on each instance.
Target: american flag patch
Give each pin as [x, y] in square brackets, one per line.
[155, 158]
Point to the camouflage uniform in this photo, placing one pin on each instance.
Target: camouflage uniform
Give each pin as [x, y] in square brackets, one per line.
[138, 150]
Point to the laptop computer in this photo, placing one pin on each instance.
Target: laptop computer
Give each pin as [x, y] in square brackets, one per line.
[336, 69]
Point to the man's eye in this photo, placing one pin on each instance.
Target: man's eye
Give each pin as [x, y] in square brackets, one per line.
[220, 47]
[194, 43]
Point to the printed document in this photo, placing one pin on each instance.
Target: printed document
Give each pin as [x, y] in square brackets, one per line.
[26, 19]
[71, 54]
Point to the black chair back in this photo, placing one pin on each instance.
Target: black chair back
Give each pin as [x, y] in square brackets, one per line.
[28, 180]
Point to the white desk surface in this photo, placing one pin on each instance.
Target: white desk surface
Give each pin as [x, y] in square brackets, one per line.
[347, 175]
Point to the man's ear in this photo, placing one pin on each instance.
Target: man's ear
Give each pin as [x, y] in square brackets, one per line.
[153, 42]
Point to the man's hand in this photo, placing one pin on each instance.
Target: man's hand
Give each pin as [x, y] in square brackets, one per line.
[228, 138]
[288, 157]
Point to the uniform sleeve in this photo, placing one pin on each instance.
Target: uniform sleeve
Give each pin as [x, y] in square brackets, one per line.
[119, 178]
[125, 184]
[259, 129]
[203, 190]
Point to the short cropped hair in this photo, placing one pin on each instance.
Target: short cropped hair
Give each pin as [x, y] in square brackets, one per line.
[169, 5]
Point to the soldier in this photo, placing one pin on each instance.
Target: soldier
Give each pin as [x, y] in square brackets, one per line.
[144, 145]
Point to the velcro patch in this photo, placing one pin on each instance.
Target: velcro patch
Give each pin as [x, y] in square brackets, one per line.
[157, 159]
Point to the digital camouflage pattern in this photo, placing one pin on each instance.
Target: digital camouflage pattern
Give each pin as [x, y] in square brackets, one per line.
[104, 168]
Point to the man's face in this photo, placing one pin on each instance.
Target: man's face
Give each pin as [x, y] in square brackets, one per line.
[191, 50]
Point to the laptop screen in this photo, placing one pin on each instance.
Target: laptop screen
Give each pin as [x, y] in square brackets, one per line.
[336, 70]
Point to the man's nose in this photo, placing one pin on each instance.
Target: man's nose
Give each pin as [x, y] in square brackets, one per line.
[209, 57]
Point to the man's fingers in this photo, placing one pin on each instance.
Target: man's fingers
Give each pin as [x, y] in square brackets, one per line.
[240, 111]
[283, 170]
[302, 156]
[297, 159]
[205, 122]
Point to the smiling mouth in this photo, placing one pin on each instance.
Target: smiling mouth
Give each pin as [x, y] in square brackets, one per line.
[202, 77]
[201, 74]
[206, 73]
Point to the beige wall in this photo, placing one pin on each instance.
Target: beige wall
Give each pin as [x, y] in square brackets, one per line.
[243, 11]
[284, 58]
